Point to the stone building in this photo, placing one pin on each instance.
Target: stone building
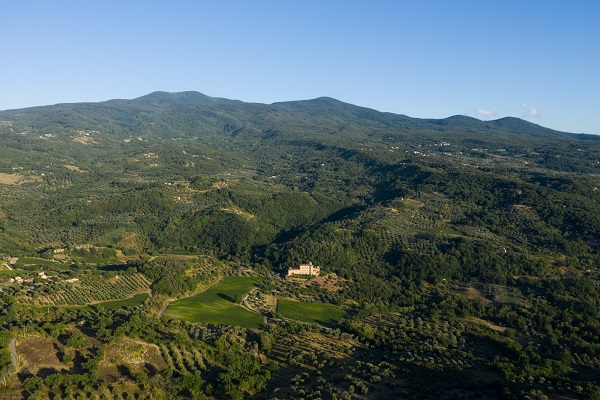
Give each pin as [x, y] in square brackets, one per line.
[304, 269]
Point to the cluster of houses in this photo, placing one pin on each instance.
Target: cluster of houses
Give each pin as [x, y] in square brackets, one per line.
[41, 275]
[19, 279]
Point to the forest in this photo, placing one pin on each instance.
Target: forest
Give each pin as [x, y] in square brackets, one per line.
[459, 257]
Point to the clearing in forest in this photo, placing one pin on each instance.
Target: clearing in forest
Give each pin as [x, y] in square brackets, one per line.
[9, 179]
[40, 353]
[238, 211]
[74, 168]
[133, 354]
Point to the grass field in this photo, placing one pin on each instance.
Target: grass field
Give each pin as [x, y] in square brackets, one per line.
[36, 261]
[313, 313]
[216, 305]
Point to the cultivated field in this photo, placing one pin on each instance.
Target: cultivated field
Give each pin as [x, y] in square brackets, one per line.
[93, 290]
[218, 304]
[313, 313]
[9, 179]
[17, 179]
[25, 261]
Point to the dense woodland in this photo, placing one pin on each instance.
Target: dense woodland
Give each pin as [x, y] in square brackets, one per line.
[468, 250]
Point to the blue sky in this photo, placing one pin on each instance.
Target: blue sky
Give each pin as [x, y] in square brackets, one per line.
[537, 60]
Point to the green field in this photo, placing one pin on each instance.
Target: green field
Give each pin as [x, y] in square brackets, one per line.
[116, 304]
[216, 305]
[313, 313]
[36, 261]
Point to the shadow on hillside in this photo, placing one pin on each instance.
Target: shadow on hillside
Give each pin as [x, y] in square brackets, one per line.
[343, 213]
[224, 296]
[330, 323]
[115, 267]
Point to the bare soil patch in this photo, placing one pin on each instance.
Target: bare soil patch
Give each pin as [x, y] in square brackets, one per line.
[10, 179]
[330, 282]
[178, 256]
[270, 301]
[472, 293]
[130, 241]
[133, 354]
[74, 168]
[220, 185]
[488, 324]
[84, 140]
[569, 272]
[17, 179]
[40, 353]
[238, 211]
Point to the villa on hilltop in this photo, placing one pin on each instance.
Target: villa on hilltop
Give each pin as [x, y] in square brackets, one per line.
[304, 269]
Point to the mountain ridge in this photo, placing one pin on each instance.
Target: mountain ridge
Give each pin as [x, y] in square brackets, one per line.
[313, 109]
[180, 98]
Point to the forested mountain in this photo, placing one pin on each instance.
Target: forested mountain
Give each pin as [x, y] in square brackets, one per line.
[489, 228]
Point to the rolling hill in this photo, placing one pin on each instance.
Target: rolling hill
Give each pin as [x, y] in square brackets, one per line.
[461, 248]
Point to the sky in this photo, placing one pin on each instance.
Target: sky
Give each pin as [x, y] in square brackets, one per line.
[536, 60]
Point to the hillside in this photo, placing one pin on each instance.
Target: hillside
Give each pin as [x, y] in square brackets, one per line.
[455, 250]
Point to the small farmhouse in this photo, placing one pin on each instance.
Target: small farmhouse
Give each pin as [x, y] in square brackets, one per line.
[304, 269]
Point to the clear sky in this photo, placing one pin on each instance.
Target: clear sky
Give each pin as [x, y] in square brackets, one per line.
[538, 60]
